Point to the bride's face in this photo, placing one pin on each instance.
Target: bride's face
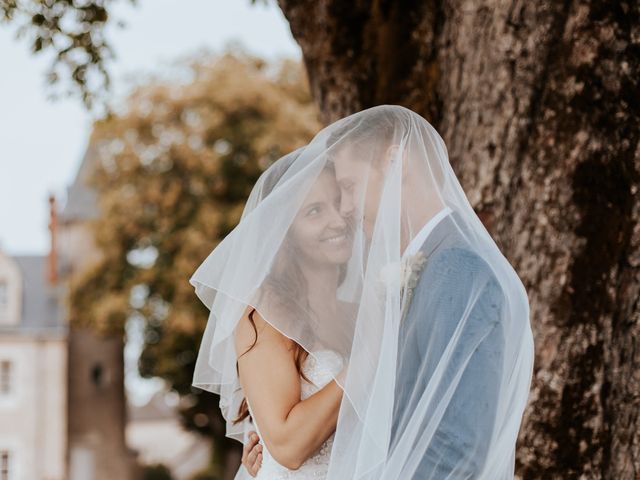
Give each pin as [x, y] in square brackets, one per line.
[319, 231]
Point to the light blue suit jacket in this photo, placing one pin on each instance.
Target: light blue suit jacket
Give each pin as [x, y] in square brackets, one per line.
[439, 299]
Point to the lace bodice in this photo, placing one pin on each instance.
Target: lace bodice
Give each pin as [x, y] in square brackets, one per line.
[319, 369]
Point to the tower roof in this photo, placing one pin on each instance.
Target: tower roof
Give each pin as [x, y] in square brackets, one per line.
[81, 201]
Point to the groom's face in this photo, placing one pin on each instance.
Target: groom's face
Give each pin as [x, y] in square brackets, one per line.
[360, 182]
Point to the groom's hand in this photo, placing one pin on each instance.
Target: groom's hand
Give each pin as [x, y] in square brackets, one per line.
[252, 454]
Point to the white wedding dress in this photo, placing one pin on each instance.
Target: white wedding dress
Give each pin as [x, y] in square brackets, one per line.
[320, 370]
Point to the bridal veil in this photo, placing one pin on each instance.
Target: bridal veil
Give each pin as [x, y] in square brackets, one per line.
[433, 325]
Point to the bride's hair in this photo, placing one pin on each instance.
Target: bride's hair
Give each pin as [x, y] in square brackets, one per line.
[285, 286]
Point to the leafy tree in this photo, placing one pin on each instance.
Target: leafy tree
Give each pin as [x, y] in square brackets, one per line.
[73, 31]
[173, 169]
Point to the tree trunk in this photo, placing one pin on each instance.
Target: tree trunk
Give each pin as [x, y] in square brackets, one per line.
[539, 105]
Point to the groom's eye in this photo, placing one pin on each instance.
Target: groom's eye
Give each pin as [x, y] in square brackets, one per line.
[347, 186]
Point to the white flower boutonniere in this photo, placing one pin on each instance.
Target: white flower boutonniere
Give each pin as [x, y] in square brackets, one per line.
[411, 274]
[403, 275]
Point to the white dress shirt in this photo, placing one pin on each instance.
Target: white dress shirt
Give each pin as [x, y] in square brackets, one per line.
[418, 240]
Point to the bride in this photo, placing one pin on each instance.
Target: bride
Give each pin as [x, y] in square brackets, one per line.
[362, 320]
[292, 396]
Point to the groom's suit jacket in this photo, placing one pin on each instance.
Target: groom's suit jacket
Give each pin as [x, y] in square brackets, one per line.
[459, 445]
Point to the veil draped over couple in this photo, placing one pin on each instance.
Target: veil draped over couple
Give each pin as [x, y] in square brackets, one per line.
[362, 320]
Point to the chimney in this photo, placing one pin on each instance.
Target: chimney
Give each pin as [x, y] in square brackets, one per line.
[52, 263]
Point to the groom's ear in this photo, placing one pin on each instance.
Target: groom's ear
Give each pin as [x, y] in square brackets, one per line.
[394, 154]
[391, 155]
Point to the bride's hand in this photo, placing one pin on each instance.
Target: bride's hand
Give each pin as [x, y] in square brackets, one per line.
[252, 454]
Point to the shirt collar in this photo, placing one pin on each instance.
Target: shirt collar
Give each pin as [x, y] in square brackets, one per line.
[419, 239]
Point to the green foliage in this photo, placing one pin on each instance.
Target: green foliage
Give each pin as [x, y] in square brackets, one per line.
[173, 170]
[73, 32]
[156, 472]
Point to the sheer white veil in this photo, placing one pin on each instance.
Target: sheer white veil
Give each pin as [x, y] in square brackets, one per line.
[430, 317]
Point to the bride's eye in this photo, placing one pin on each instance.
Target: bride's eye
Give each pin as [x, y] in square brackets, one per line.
[313, 211]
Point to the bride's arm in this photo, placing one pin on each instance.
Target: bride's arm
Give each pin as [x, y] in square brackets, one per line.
[292, 429]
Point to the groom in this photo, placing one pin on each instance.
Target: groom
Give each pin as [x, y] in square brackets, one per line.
[461, 439]
[458, 447]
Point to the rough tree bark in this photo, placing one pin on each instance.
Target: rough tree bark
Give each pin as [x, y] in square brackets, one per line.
[539, 105]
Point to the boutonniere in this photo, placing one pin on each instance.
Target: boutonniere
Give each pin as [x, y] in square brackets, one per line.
[403, 275]
[411, 275]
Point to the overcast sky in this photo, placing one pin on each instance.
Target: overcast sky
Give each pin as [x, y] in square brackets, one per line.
[42, 142]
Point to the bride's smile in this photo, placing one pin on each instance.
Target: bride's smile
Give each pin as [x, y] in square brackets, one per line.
[341, 238]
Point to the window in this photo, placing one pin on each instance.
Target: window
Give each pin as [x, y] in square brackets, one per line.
[4, 294]
[4, 298]
[97, 375]
[5, 379]
[5, 465]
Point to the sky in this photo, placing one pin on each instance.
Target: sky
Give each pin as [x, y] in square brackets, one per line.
[42, 141]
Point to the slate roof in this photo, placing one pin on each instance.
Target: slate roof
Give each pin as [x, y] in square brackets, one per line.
[42, 306]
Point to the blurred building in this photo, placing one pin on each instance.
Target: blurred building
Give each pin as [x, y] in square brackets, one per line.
[96, 397]
[63, 408]
[33, 372]
[62, 402]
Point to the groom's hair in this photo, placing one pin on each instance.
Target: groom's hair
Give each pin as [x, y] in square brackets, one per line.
[372, 132]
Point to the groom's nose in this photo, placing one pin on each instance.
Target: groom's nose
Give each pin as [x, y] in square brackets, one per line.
[347, 206]
[337, 220]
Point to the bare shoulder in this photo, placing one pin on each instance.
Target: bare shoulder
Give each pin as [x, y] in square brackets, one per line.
[253, 330]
